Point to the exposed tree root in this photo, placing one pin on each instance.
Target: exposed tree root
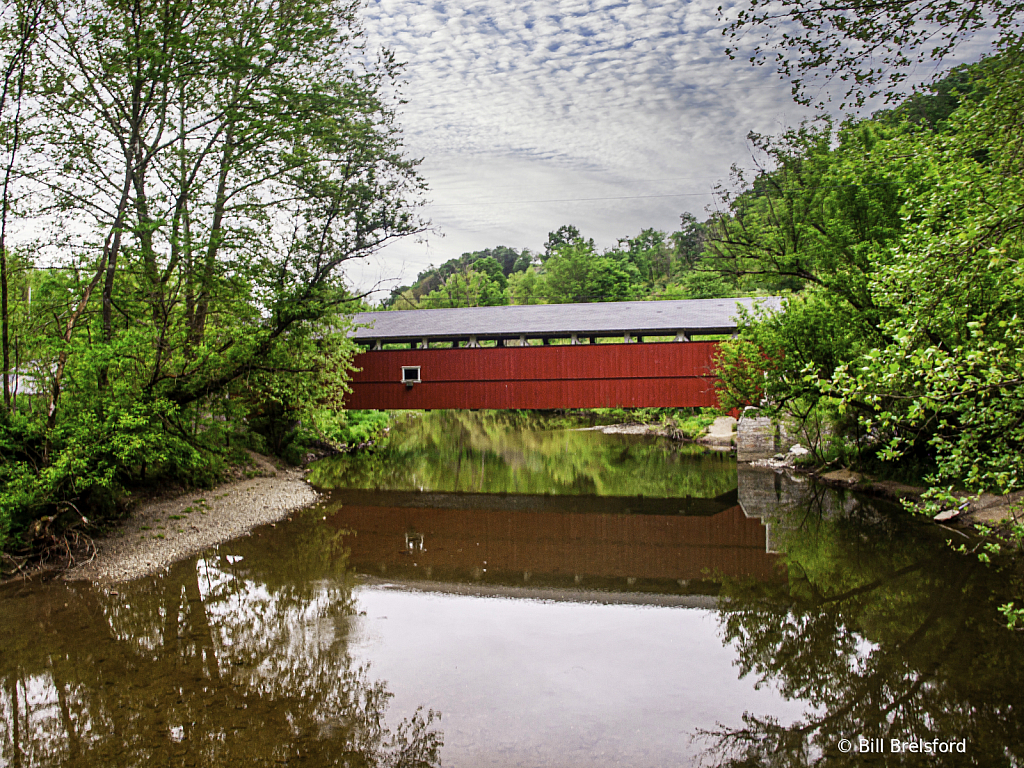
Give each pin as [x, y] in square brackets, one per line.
[47, 551]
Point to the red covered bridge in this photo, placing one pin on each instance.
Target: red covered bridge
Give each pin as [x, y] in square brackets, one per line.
[629, 354]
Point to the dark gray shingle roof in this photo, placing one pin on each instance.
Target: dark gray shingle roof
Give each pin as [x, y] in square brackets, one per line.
[691, 316]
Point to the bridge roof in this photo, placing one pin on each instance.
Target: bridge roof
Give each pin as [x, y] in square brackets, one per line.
[654, 318]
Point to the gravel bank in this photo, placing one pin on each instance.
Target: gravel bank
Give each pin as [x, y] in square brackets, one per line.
[165, 531]
[626, 429]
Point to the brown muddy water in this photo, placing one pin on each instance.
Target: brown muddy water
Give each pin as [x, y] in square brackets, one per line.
[490, 590]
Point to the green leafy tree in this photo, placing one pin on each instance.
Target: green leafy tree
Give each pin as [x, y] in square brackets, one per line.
[688, 242]
[870, 47]
[20, 24]
[523, 262]
[490, 267]
[649, 253]
[699, 284]
[575, 273]
[565, 235]
[212, 167]
[905, 238]
[814, 214]
[816, 222]
[467, 289]
[525, 288]
[507, 258]
[948, 382]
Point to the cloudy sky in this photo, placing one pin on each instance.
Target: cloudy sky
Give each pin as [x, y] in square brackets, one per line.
[611, 115]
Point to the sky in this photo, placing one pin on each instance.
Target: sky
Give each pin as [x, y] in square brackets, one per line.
[610, 115]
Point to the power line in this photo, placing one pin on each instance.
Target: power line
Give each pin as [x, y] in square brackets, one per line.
[749, 189]
[572, 200]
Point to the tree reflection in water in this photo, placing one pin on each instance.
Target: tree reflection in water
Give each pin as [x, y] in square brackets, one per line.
[228, 660]
[885, 632]
[519, 452]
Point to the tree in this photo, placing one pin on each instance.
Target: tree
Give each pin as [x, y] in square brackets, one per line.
[867, 45]
[212, 167]
[489, 266]
[699, 284]
[523, 262]
[688, 241]
[947, 384]
[19, 29]
[507, 258]
[905, 242]
[649, 254]
[566, 234]
[814, 214]
[525, 288]
[469, 288]
[575, 273]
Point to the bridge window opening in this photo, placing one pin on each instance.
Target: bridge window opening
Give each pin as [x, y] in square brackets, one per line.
[710, 337]
[410, 374]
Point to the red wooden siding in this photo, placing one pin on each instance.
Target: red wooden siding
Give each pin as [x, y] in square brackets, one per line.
[671, 374]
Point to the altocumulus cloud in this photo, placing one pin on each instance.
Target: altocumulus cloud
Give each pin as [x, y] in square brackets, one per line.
[613, 116]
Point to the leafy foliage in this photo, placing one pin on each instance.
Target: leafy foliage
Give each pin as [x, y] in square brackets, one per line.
[651, 265]
[882, 630]
[954, 291]
[206, 169]
[869, 46]
[513, 452]
[903, 241]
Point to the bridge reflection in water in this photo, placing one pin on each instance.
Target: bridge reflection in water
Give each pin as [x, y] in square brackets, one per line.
[637, 545]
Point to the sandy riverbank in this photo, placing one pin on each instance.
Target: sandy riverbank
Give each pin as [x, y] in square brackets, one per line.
[164, 531]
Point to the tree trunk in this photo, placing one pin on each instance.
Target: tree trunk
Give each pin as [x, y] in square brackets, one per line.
[18, 64]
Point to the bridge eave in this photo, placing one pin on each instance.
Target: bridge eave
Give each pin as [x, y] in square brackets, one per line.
[407, 339]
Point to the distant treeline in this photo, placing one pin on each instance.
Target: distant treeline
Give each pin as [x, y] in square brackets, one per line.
[570, 269]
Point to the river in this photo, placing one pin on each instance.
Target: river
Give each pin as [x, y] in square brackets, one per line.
[496, 589]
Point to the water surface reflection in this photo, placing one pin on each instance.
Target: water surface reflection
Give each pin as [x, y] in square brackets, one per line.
[563, 601]
[495, 452]
[236, 658]
[881, 629]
